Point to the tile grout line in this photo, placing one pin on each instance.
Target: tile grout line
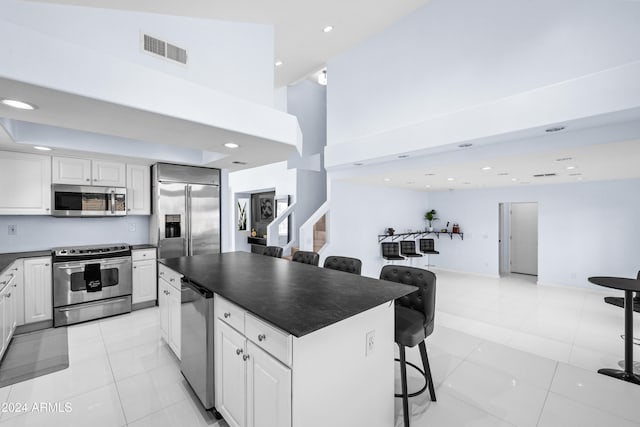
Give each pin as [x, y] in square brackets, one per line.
[544, 404]
[115, 383]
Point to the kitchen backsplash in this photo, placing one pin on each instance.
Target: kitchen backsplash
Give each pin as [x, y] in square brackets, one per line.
[45, 232]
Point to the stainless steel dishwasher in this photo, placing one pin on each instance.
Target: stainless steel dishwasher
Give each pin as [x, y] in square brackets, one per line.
[196, 310]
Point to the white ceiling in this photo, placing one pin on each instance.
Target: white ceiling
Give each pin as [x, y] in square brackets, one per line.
[299, 40]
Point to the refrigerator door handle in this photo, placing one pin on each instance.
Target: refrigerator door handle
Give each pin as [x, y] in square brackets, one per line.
[187, 201]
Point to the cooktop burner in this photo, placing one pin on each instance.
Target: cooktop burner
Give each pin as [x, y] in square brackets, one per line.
[92, 250]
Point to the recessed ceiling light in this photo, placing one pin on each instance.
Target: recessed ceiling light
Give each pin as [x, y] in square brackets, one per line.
[555, 129]
[403, 156]
[465, 145]
[387, 179]
[514, 179]
[278, 63]
[570, 168]
[231, 145]
[563, 159]
[20, 105]
[450, 179]
[328, 29]
[487, 168]
[37, 147]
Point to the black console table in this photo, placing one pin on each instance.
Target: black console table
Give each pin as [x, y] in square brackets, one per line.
[628, 286]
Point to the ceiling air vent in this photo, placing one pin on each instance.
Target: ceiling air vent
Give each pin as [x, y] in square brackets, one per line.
[541, 175]
[164, 49]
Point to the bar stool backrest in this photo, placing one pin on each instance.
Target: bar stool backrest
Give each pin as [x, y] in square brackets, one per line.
[306, 257]
[427, 245]
[274, 251]
[390, 249]
[343, 263]
[407, 247]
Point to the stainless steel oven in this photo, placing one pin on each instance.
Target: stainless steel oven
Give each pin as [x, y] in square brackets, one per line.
[91, 282]
[86, 200]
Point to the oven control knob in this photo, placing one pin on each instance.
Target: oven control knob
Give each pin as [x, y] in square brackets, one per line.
[63, 251]
[73, 251]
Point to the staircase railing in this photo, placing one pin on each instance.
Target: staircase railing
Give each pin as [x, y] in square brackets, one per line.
[273, 229]
[308, 230]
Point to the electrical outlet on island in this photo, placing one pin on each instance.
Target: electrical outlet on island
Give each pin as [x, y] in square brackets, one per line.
[371, 343]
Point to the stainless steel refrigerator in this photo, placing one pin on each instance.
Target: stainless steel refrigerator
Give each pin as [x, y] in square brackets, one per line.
[186, 210]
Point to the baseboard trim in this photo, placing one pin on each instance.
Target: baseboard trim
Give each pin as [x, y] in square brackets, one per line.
[32, 327]
[141, 305]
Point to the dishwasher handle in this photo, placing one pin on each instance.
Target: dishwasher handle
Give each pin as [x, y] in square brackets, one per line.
[206, 293]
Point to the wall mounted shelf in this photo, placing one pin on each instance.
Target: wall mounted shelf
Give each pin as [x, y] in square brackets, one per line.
[416, 234]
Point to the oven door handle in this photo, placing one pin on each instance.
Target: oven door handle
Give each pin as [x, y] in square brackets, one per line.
[92, 304]
[109, 262]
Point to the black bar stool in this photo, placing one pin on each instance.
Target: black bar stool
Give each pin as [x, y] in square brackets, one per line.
[408, 249]
[274, 251]
[428, 247]
[306, 257]
[391, 251]
[414, 315]
[343, 263]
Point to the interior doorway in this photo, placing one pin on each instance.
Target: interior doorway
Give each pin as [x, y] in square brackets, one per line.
[518, 238]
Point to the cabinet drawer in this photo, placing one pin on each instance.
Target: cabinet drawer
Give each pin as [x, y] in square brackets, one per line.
[143, 254]
[274, 341]
[170, 276]
[229, 313]
[8, 275]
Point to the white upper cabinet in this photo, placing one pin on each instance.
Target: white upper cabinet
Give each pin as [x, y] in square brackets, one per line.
[109, 174]
[67, 170]
[138, 190]
[25, 187]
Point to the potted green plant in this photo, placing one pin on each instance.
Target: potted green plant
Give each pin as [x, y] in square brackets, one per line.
[430, 216]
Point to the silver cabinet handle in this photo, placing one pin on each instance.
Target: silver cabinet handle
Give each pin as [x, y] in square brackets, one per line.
[262, 337]
[135, 266]
[88, 180]
[172, 280]
[227, 315]
[9, 295]
[239, 351]
[245, 357]
[162, 273]
[46, 265]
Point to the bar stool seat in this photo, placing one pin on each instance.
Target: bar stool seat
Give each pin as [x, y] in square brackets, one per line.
[409, 327]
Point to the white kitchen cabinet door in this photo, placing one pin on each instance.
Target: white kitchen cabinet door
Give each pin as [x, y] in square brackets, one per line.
[144, 281]
[268, 390]
[26, 184]
[109, 174]
[175, 320]
[163, 303]
[230, 374]
[4, 321]
[138, 190]
[18, 270]
[10, 309]
[67, 170]
[37, 290]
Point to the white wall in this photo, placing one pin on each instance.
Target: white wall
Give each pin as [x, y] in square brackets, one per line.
[455, 54]
[585, 229]
[45, 232]
[360, 212]
[233, 58]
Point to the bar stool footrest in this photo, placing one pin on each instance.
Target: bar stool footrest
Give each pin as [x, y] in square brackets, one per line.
[621, 375]
[426, 382]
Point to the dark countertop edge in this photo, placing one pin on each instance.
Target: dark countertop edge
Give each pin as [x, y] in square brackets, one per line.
[167, 261]
[143, 246]
[8, 258]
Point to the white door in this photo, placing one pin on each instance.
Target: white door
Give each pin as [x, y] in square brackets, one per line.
[268, 390]
[174, 320]
[138, 190]
[66, 170]
[144, 281]
[37, 289]
[230, 374]
[524, 238]
[109, 173]
[163, 302]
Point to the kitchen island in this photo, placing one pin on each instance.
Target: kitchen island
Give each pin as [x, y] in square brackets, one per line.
[308, 346]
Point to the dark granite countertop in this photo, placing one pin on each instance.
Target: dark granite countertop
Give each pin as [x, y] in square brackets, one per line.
[145, 246]
[7, 259]
[297, 298]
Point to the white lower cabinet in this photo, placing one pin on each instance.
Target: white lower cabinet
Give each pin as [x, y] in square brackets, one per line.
[169, 301]
[37, 290]
[7, 310]
[144, 276]
[252, 387]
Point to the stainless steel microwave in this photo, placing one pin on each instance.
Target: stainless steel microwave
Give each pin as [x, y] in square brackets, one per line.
[85, 200]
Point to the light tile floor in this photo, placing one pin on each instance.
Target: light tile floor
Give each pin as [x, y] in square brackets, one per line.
[504, 352]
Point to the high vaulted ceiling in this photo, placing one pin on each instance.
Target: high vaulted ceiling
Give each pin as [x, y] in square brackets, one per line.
[300, 42]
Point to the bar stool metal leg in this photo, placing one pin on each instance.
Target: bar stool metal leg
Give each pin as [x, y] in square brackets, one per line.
[405, 398]
[427, 370]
